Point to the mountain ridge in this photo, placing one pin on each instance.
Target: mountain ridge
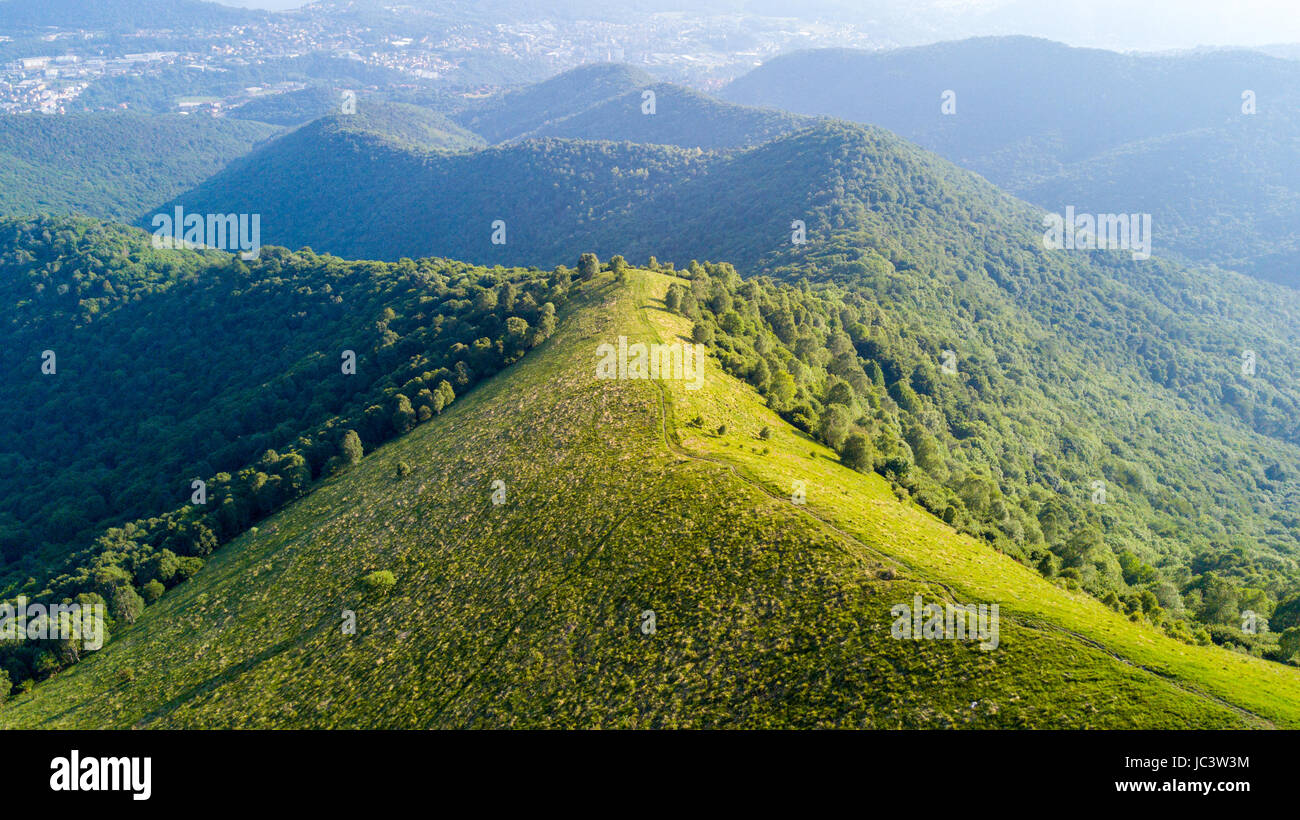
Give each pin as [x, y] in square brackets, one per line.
[568, 648]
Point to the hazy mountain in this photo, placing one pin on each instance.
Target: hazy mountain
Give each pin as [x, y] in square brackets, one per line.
[678, 116]
[1142, 133]
[514, 113]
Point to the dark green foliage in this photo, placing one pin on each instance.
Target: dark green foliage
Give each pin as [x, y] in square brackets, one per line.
[588, 266]
[1289, 643]
[350, 448]
[618, 265]
[856, 453]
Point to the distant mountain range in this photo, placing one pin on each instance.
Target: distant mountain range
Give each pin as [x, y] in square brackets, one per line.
[1102, 131]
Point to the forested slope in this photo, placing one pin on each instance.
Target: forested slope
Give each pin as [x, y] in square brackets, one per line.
[62, 164]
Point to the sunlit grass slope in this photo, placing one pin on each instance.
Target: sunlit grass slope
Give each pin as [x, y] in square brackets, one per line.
[528, 613]
[864, 507]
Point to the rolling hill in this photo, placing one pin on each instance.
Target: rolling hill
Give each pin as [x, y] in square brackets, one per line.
[532, 612]
[411, 126]
[680, 117]
[290, 109]
[618, 103]
[514, 113]
[1102, 131]
[363, 193]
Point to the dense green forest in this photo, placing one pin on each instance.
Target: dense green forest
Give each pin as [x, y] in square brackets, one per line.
[339, 185]
[58, 164]
[257, 378]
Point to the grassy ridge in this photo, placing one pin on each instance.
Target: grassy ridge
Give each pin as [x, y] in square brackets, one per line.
[864, 506]
[527, 613]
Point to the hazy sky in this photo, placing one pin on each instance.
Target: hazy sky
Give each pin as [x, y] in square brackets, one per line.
[1117, 24]
[273, 5]
[1147, 24]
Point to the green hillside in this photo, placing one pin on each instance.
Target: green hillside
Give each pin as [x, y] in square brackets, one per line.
[290, 109]
[528, 613]
[1226, 194]
[361, 194]
[59, 164]
[409, 125]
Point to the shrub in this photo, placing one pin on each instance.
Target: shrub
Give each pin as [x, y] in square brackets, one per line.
[152, 591]
[856, 454]
[380, 580]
